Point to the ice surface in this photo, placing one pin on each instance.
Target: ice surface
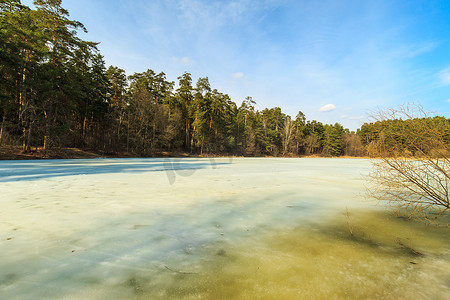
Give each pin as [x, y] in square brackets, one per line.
[126, 228]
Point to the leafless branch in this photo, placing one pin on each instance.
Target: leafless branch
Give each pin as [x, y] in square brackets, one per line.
[412, 169]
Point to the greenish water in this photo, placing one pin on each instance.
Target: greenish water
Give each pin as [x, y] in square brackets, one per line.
[385, 258]
[209, 229]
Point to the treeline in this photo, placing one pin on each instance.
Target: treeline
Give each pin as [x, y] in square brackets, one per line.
[411, 136]
[55, 91]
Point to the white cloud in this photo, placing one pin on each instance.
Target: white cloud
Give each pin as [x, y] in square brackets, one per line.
[238, 75]
[448, 100]
[344, 117]
[444, 76]
[328, 107]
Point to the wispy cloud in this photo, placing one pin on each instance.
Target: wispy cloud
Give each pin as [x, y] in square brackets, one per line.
[197, 13]
[444, 76]
[327, 107]
[410, 51]
[352, 117]
[422, 49]
[184, 60]
[238, 75]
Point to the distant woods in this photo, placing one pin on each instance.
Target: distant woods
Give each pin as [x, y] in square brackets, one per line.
[55, 91]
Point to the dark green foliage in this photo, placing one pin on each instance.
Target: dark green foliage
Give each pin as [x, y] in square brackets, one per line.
[56, 91]
[333, 139]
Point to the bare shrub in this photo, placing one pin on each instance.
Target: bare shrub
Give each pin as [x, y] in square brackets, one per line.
[411, 171]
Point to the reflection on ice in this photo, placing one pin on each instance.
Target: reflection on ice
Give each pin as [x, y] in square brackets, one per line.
[251, 227]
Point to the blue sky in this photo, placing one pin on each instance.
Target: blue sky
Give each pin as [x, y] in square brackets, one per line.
[334, 60]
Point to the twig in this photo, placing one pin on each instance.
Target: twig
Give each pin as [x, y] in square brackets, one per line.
[180, 272]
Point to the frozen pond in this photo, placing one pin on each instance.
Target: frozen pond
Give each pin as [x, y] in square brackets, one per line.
[209, 228]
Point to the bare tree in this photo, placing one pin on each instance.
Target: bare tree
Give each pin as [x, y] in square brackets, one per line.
[352, 145]
[412, 168]
[287, 134]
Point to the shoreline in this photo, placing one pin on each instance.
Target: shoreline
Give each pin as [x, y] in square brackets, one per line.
[15, 153]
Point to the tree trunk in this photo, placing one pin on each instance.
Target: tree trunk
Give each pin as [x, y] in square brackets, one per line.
[83, 131]
[1, 129]
[28, 143]
[203, 142]
[128, 132]
[118, 130]
[187, 134]
[48, 125]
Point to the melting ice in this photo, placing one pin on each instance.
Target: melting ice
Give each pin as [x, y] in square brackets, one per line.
[209, 228]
